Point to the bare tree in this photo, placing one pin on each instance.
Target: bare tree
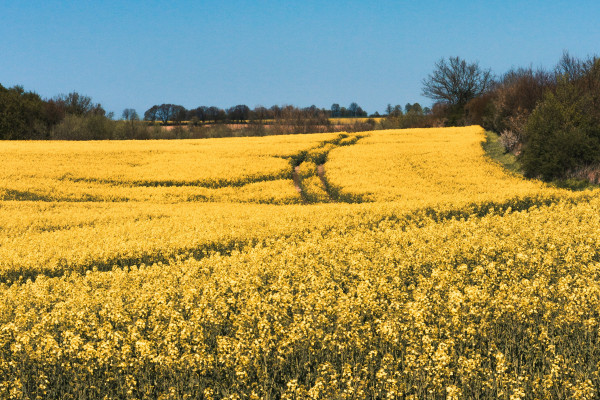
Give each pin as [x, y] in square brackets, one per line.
[455, 82]
[178, 114]
[166, 113]
[130, 116]
[335, 110]
[260, 113]
[151, 114]
[389, 109]
[77, 104]
[574, 68]
[239, 113]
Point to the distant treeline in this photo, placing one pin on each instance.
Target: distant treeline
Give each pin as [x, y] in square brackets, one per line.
[26, 116]
[241, 113]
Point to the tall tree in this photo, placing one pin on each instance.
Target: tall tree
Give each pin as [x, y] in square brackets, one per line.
[260, 113]
[389, 109]
[335, 110]
[178, 114]
[238, 113]
[129, 114]
[77, 104]
[455, 81]
[166, 113]
[151, 114]
[413, 108]
[131, 117]
[22, 114]
[199, 114]
[215, 114]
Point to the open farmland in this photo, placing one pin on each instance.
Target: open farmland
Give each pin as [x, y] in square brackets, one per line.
[387, 264]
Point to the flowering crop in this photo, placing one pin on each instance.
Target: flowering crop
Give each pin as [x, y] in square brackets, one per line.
[477, 285]
[146, 170]
[422, 168]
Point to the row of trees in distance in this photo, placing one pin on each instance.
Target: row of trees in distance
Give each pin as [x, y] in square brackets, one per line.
[241, 113]
[25, 115]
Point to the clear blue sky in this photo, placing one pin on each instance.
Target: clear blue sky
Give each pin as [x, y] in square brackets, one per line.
[139, 53]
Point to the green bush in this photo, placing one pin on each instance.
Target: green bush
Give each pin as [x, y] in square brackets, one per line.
[22, 114]
[562, 134]
[85, 127]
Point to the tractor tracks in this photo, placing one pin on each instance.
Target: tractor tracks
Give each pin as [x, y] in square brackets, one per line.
[308, 172]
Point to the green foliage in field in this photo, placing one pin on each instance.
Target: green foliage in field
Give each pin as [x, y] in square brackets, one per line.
[496, 151]
[561, 134]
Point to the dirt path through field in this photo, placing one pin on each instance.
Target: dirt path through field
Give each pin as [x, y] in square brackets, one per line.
[306, 191]
[298, 184]
[296, 178]
[321, 173]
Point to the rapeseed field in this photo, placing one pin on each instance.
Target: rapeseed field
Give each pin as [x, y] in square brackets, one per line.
[400, 264]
